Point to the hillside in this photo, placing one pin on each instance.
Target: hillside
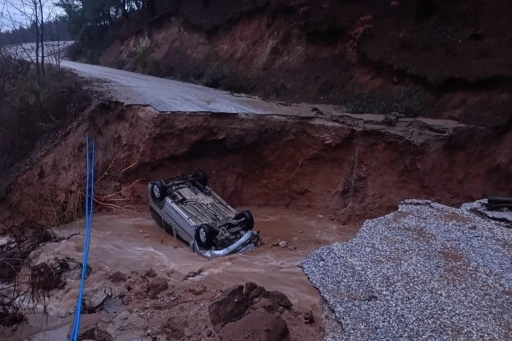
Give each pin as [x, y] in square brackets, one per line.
[451, 60]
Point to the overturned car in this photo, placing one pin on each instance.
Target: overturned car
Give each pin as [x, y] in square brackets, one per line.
[188, 209]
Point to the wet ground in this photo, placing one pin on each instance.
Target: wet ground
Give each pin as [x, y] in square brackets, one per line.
[131, 241]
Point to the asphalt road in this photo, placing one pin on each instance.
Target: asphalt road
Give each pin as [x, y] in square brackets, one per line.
[164, 94]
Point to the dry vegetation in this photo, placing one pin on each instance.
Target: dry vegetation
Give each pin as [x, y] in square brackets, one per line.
[33, 108]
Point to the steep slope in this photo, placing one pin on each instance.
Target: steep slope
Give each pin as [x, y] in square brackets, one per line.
[370, 56]
[346, 171]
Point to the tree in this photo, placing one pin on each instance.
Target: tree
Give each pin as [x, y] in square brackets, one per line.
[33, 21]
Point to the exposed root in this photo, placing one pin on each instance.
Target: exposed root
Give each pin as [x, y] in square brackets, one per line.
[23, 293]
[108, 201]
[118, 171]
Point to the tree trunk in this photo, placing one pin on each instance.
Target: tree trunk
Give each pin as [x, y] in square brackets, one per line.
[124, 10]
[42, 35]
[37, 38]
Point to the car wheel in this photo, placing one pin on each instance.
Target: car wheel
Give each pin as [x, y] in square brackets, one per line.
[201, 178]
[248, 223]
[158, 192]
[204, 236]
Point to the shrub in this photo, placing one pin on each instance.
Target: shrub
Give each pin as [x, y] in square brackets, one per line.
[32, 107]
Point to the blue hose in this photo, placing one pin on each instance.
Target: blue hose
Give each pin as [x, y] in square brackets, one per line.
[89, 203]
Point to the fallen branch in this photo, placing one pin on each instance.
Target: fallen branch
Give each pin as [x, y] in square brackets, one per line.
[72, 235]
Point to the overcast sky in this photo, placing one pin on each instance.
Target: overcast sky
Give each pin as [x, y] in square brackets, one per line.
[15, 13]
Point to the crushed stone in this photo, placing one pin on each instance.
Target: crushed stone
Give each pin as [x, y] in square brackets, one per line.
[424, 272]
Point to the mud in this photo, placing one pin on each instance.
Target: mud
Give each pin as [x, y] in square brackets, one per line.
[131, 243]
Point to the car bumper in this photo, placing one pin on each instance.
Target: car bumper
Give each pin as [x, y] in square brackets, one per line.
[248, 242]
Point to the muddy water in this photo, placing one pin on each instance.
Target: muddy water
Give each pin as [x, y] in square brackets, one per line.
[133, 242]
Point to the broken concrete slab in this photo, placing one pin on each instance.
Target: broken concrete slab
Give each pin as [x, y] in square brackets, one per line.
[425, 272]
[479, 207]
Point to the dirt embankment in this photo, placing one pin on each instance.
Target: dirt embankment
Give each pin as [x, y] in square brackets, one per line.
[370, 56]
[261, 161]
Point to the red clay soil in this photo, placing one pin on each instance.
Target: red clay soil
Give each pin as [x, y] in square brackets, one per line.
[261, 161]
[455, 63]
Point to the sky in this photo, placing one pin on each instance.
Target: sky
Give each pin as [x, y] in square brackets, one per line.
[15, 13]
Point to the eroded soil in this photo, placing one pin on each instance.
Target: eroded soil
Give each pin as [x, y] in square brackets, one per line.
[309, 181]
[348, 172]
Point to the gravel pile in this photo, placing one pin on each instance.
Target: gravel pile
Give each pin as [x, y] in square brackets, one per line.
[425, 272]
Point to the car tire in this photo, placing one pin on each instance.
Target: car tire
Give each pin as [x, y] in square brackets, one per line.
[158, 193]
[204, 236]
[201, 178]
[248, 223]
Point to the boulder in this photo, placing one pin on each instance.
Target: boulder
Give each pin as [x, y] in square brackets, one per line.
[230, 307]
[259, 325]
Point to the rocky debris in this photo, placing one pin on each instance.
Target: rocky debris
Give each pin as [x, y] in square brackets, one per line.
[193, 274]
[196, 291]
[142, 287]
[89, 329]
[174, 328]
[113, 305]
[258, 325]
[231, 314]
[138, 287]
[151, 273]
[408, 272]
[127, 326]
[308, 317]
[156, 286]
[97, 300]
[283, 244]
[117, 276]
